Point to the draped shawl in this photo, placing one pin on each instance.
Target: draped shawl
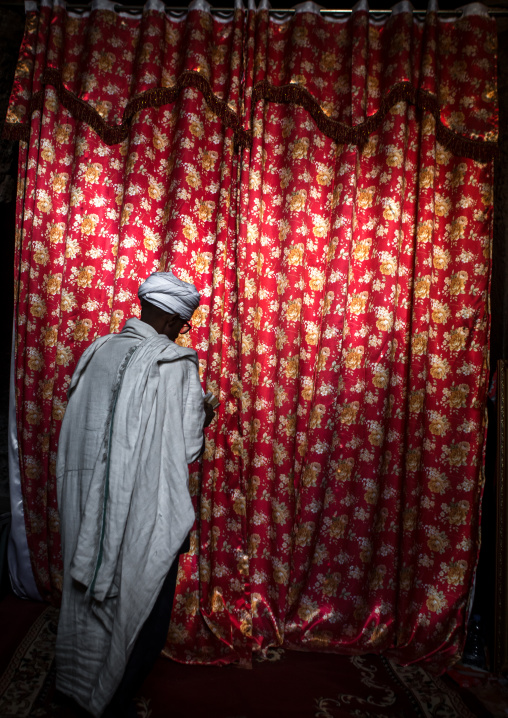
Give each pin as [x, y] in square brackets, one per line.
[134, 421]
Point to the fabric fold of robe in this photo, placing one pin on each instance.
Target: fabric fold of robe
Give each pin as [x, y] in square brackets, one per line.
[134, 421]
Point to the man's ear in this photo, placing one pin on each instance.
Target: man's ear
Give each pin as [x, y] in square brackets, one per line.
[170, 322]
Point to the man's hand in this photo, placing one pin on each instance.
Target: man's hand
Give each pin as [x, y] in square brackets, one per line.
[209, 413]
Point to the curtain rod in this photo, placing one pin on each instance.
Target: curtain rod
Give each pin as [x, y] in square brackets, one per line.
[278, 11]
[498, 12]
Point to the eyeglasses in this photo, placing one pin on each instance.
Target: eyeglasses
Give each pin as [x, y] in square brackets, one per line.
[186, 328]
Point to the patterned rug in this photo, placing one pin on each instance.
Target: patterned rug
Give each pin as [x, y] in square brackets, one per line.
[292, 684]
[24, 679]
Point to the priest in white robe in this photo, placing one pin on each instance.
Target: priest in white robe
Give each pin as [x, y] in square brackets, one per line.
[134, 421]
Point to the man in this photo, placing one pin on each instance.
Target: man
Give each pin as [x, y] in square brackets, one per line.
[134, 420]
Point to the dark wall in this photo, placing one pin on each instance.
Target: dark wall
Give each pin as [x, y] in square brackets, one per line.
[499, 293]
[11, 34]
[485, 599]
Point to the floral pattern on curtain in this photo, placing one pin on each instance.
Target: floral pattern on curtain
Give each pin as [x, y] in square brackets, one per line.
[335, 210]
[96, 219]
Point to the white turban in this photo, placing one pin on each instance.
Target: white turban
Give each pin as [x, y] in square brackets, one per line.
[170, 294]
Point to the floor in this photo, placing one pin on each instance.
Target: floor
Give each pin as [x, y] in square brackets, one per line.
[168, 678]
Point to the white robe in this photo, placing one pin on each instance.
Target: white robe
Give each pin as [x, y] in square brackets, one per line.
[134, 420]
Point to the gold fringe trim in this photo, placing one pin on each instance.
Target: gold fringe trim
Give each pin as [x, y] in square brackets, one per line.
[113, 134]
[479, 150]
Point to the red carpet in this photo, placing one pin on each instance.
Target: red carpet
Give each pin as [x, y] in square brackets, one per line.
[293, 685]
[304, 685]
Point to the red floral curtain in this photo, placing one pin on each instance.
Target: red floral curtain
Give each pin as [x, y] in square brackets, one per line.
[100, 209]
[334, 207]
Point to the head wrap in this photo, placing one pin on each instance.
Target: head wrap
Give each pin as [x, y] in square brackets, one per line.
[170, 294]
